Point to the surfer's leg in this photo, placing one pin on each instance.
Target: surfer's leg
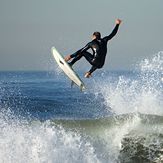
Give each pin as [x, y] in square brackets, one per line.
[87, 55]
[75, 59]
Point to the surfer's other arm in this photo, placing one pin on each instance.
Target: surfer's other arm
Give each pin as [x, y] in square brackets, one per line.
[89, 73]
[85, 48]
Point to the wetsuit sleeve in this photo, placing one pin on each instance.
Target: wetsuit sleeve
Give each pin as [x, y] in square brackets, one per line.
[85, 48]
[114, 32]
[93, 68]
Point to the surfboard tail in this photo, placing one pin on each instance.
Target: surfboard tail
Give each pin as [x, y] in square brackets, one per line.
[82, 87]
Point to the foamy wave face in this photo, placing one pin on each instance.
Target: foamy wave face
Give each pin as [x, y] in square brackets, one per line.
[41, 142]
[142, 93]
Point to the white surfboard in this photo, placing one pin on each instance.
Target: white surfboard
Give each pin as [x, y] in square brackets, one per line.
[67, 69]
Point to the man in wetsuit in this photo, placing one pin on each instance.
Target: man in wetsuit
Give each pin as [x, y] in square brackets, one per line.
[98, 46]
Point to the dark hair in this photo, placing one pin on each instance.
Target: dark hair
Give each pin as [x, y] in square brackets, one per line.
[97, 34]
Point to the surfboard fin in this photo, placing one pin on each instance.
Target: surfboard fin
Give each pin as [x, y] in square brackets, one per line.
[82, 87]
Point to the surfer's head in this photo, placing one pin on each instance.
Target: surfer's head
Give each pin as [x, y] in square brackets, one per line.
[96, 35]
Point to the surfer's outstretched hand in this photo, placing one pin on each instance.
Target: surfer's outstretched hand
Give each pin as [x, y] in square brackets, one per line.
[87, 75]
[118, 21]
[67, 58]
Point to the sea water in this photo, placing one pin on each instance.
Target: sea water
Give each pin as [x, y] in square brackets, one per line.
[118, 118]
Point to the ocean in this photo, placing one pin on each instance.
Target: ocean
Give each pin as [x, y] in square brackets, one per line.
[117, 119]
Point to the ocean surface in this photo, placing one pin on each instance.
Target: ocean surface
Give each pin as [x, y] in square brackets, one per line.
[117, 119]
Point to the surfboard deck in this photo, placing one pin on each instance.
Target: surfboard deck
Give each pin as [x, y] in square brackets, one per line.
[67, 69]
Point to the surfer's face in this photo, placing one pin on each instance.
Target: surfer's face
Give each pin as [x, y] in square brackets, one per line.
[93, 37]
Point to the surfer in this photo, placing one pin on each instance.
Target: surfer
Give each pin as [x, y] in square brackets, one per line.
[98, 46]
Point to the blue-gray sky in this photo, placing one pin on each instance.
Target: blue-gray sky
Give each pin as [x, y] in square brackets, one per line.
[29, 28]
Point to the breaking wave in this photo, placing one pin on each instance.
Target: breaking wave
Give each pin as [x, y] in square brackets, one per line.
[132, 133]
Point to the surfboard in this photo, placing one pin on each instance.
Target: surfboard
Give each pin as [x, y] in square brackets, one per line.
[67, 69]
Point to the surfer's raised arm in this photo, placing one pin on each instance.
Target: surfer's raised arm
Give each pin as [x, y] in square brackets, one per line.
[114, 32]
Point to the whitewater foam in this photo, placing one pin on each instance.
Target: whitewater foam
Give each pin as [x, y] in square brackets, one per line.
[142, 93]
[41, 142]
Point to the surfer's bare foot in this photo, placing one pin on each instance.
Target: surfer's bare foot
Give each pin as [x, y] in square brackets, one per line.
[67, 58]
[87, 75]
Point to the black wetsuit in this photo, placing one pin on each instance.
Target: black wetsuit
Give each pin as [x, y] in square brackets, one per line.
[99, 49]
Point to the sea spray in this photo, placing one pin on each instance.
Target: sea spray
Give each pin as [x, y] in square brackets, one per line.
[141, 93]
